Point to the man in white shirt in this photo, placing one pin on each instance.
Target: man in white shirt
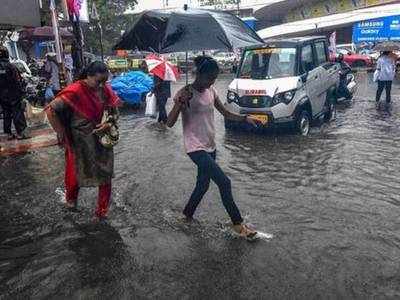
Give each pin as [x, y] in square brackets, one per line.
[386, 67]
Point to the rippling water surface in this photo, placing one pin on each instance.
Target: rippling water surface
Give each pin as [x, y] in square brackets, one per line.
[331, 200]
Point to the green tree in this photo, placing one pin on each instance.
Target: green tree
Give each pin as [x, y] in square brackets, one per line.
[113, 21]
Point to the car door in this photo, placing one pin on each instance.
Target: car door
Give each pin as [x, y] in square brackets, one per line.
[307, 68]
[326, 72]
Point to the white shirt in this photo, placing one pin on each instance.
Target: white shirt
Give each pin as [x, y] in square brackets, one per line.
[386, 67]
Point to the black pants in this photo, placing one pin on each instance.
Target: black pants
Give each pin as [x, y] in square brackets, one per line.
[162, 112]
[387, 85]
[343, 90]
[208, 170]
[14, 113]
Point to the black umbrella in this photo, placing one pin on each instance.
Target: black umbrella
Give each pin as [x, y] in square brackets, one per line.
[188, 30]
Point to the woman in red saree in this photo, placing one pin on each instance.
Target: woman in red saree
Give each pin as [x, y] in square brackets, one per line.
[76, 116]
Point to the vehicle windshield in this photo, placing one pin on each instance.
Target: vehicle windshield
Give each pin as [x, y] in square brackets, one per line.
[268, 63]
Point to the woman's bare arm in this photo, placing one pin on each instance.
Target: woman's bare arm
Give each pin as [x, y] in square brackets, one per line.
[54, 120]
[174, 114]
[228, 114]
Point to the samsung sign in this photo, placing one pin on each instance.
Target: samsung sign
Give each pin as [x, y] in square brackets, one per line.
[377, 30]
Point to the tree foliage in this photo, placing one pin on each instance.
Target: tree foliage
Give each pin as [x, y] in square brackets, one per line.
[113, 22]
[112, 19]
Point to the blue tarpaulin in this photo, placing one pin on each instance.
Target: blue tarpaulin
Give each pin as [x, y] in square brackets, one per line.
[132, 85]
[377, 30]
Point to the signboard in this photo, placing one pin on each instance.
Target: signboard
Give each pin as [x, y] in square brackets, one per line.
[118, 64]
[377, 30]
[18, 13]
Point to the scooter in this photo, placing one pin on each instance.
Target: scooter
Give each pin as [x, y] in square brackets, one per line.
[351, 86]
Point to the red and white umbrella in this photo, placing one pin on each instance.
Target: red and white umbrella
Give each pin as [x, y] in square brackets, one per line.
[162, 68]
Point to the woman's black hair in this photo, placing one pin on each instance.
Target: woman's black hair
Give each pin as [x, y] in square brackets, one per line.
[206, 65]
[96, 67]
[385, 52]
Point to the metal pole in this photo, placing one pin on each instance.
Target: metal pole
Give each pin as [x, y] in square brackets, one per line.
[187, 69]
[55, 31]
[185, 7]
[101, 40]
[238, 7]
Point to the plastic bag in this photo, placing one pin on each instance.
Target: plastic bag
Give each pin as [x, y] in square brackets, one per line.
[151, 105]
[376, 76]
[49, 95]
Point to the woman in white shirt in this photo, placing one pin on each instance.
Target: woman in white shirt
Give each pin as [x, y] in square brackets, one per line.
[386, 67]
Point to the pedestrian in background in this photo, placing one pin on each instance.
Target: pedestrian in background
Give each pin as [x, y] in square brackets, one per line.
[53, 73]
[345, 69]
[76, 115]
[197, 102]
[162, 91]
[143, 67]
[386, 67]
[11, 93]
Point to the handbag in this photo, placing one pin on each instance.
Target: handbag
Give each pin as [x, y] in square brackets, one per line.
[151, 105]
[376, 76]
[110, 138]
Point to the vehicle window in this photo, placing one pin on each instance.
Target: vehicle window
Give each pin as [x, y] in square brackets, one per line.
[321, 53]
[268, 63]
[307, 59]
[343, 51]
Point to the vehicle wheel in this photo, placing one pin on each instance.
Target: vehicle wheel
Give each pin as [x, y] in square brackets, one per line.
[359, 64]
[303, 123]
[330, 108]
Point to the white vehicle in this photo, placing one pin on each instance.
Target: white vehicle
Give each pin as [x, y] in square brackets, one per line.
[285, 82]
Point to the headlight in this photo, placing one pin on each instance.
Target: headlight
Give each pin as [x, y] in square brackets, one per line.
[285, 97]
[231, 97]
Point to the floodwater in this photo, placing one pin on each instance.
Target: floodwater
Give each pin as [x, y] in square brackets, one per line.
[331, 200]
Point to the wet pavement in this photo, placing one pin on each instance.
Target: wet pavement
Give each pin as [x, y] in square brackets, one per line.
[331, 200]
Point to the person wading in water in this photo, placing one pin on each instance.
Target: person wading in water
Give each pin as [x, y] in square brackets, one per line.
[196, 102]
[11, 96]
[76, 116]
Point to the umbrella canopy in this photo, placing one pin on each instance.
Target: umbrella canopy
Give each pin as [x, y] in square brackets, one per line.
[188, 30]
[161, 68]
[44, 33]
[387, 46]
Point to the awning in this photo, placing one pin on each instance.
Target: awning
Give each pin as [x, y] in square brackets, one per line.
[44, 33]
[329, 22]
[19, 13]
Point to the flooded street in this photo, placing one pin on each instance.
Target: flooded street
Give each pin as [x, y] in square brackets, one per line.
[331, 200]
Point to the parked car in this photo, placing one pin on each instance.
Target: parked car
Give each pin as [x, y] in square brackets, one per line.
[353, 59]
[224, 58]
[285, 82]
